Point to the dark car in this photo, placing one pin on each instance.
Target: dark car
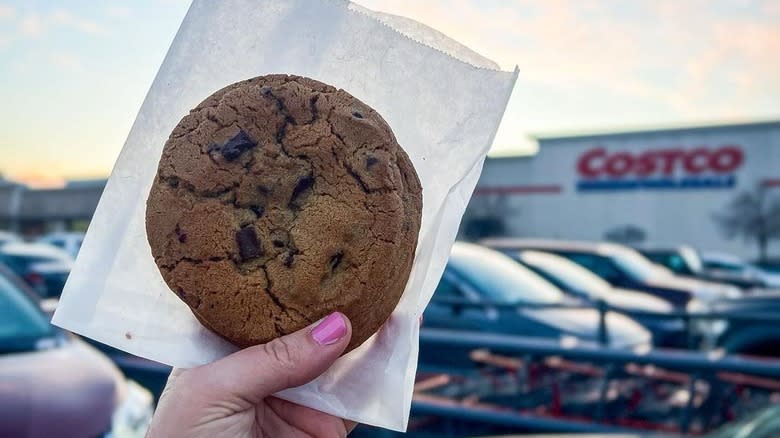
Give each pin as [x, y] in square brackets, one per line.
[502, 296]
[579, 282]
[749, 335]
[624, 267]
[685, 261]
[44, 267]
[54, 384]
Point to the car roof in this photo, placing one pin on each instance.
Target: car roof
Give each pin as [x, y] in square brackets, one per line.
[509, 243]
[721, 257]
[662, 247]
[9, 236]
[33, 250]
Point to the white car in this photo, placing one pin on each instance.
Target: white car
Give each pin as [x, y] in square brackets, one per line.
[70, 241]
[718, 261]
[8, 237]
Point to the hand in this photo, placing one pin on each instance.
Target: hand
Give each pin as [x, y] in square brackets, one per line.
[232, 397]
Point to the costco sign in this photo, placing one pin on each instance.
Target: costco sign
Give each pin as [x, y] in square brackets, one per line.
[672, 168]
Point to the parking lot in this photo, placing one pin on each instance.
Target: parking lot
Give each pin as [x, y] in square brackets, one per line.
[519, 336]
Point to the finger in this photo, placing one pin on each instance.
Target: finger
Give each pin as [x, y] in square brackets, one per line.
[350, 425]
[311, 421]
[259, 371]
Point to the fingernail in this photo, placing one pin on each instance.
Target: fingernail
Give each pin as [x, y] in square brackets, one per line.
[330, 330]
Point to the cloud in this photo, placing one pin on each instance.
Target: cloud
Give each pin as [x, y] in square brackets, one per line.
[118, 11]
[5, 41]
[66, 61]
[682, 60]
[31, 25]
[7, 12]
[67, 19]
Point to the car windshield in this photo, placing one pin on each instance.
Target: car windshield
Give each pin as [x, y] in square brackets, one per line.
[20, 318]
[501, 279]
[635, 264]
[27, 260]
[570, 274]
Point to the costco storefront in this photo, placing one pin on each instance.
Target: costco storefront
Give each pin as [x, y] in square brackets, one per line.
[669, 184]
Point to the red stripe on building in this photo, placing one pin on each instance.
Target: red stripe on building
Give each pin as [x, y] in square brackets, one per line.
[772, 182]
[519, 190]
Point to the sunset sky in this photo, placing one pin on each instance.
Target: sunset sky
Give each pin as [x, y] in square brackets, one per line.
[73, 74]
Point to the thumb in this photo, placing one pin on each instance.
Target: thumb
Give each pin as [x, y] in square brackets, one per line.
[286, 362]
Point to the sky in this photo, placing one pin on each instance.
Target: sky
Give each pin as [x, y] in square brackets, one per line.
[73, 74]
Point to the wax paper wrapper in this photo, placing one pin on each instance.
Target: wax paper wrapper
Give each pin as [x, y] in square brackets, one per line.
[444, 103]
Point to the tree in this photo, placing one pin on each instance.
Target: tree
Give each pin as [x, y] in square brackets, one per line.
[753, 215]
[626, 235]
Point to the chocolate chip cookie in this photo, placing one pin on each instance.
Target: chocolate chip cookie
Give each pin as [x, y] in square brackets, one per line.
[279, 200]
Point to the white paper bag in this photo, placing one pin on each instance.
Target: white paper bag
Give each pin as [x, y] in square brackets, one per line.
[443, 102]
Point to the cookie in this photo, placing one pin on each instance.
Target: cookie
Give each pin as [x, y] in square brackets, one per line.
[279, 200]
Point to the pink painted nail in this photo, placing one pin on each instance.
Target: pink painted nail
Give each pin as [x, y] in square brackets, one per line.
[330, 330]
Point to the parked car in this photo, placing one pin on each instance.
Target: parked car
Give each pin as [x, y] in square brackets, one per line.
[54, 384]
[752, 337]
[500, 296]
[722, 262]
[44, 267]
[684, 261]
[8, 237]
[578, 282]
[70, 241]
[624, 267]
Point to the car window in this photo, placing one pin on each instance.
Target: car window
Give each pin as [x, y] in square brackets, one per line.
[16, 264]
[599, 265]
[57, 242]
[722, 266]
[447, 290]
[672, 261]
[19, 316]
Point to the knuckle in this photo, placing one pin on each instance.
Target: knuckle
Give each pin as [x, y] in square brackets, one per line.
[282, 352]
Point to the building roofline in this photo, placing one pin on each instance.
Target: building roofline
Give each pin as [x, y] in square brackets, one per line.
[667, 129]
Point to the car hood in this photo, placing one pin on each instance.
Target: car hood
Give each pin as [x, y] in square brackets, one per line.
[53, 267]
[69, 387]
[584, 323]
[635, 300]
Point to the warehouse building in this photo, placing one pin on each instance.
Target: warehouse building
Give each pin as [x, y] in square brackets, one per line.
[661, 186]
[36, 211]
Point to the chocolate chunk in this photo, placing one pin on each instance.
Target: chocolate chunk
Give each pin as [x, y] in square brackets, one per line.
[357, 115]
[213, 148]
[248, 244]
[288, 259]
[303, 184]
[371, 160]
[265, 90]
[278, 243]
[237, 146]
[258, 210]
[335, 261]
[180, 235]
